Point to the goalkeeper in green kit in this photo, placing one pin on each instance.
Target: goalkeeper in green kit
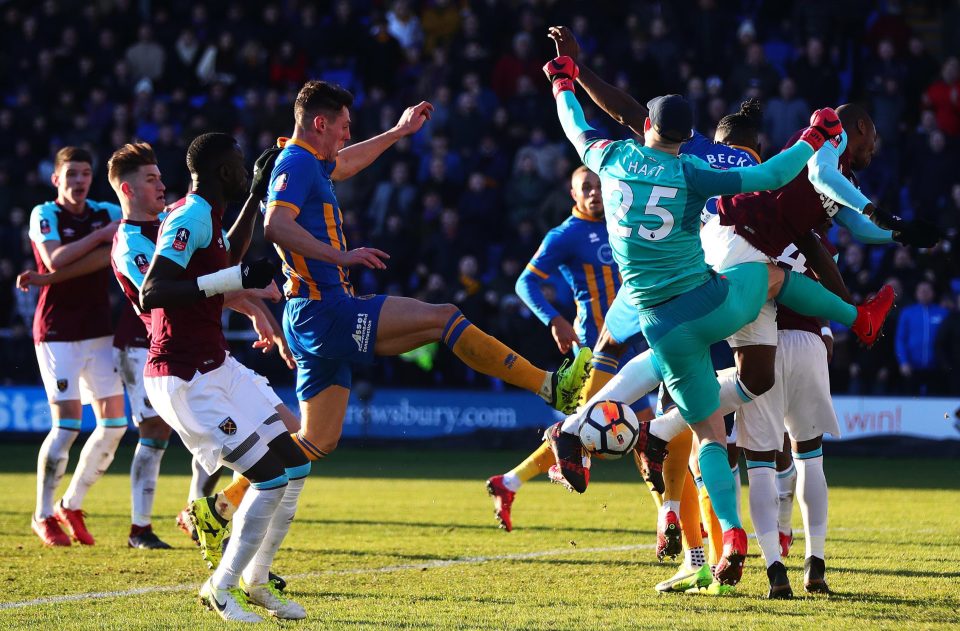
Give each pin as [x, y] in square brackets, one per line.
[652, 200]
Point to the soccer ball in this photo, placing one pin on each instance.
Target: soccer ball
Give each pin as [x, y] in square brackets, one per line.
[609, 429]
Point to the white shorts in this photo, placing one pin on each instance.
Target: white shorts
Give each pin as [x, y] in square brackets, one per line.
[129, 362]
[723, 248]
[798, 403]
[222, 416]
[80, 370]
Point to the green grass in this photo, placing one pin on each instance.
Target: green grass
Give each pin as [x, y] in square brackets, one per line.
[892, 552]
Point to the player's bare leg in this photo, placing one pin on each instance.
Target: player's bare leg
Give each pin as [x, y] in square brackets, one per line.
[406, 323]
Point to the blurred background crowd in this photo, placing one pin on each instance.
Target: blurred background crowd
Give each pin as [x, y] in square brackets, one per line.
[463, 205]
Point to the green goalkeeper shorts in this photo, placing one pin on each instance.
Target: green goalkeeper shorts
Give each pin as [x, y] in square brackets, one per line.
[681, 330]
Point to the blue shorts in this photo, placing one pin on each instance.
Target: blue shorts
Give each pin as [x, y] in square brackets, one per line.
[328, 336]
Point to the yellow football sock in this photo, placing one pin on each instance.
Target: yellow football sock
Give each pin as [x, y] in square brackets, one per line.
[490, 356]
[228, 500]
[536, 463]
[604, 367]
[690, 515]
[675, 466]
[709, 519]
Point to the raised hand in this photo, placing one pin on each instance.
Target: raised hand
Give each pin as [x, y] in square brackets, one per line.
[566, 43]
[414, 117]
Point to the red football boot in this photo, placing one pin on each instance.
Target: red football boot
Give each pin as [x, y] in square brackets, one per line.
[669, 535]
[730, 568]
[570, 470]
[872, 314]
[49, 531]
[502, 501]
[72, 520]
[786, 540]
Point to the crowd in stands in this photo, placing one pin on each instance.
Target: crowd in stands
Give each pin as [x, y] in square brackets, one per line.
[462, 206]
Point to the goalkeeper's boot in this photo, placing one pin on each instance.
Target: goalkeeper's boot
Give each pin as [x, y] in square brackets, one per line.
[814, 570]
[213, 531]
[786, 540]
[871, 315]
[49, 531]
[186, 525]
[502, 501]
[730, 568]
[573, 467]
[779, 582]
[143, 537]
[270, 598]
[230, 604]
[687, 578]
[72, 521]
[652, 451]
[568, 381]
[669, 535]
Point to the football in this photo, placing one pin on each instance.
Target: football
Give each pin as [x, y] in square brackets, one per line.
[609, 429]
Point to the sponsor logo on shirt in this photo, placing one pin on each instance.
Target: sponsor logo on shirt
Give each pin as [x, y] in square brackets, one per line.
[44, 226]
[280, 184]
[180, 241]
[69, 232]
[228, 426]
[142, 263]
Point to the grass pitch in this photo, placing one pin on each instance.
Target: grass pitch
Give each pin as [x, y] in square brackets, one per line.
[406, 539]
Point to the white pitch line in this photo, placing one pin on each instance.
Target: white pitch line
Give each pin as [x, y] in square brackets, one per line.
[159, 589]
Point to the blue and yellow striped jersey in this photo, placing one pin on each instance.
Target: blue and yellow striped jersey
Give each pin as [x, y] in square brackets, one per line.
[301, 181]
[580, 250]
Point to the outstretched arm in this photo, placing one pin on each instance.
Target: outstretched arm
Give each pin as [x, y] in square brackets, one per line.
[619, 105]
[355, 158]
[862, 229]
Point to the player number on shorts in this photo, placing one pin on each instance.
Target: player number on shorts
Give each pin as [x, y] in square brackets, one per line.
[794, 258]
[666, 217]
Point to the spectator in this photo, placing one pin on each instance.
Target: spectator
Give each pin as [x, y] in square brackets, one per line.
[917, 342]
[816, 78]
[514, 64]
[396, 195]
[943, 97]
[441, 21]
[146, 57]
[754, 72]
[948, 349]
[403, 25]
[786, 114]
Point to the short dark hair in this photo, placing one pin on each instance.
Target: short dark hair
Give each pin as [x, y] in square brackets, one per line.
[851, 114]
[128, 159]
[320, 97]
[207, 151]
[72, 154]
[743, 127]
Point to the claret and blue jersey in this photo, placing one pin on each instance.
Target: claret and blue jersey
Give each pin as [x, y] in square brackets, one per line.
[301, 182]
[579, 250]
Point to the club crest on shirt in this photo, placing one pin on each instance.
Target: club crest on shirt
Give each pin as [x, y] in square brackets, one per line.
[228, 426]
[44, 226]
[62, 385]
[180, 241]
[280, 184]
[142, 263]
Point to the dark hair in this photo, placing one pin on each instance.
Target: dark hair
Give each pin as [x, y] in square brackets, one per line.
[72, 154]
[128, 159]
[320, 97]
[743, 127]
[207, 151]
[851, 114]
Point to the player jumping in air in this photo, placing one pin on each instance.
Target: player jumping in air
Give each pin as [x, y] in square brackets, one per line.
[327, 326]
[653, 200]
